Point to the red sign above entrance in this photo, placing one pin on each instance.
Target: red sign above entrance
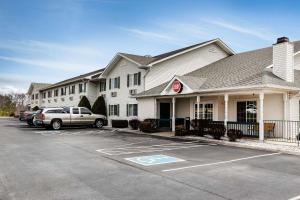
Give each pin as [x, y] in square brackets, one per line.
[177, 86]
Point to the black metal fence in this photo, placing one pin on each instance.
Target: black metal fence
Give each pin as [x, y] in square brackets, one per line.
[282, 130]
[249, 129]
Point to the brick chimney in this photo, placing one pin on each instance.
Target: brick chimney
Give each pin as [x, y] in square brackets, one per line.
[283, 59]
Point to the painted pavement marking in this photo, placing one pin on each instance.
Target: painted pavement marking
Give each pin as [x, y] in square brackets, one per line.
[221, 162]
[154, 160]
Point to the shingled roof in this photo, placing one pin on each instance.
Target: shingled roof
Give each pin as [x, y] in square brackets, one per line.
[37, 86]
[74, 79]
[243, 69]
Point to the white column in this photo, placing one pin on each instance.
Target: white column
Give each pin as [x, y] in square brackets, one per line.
[226, 98]
[155, 108]
[198, 107]
[173, 114]
[286, 114]
[261, 117]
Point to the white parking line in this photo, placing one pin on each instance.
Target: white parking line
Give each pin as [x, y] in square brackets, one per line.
[221, 162]
[148, 149]
[295, 198]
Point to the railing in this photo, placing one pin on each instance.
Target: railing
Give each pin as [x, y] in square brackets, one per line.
[249, 129]
[282, 130]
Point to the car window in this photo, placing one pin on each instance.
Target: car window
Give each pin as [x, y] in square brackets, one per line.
[55, 111]
[67, 110]
[75, 111]
[85, 111]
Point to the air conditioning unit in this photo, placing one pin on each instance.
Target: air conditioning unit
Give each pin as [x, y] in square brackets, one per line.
[62, 99]
[55, 100]
[71, 98]
[113, 94]
[132, 92]
[80, 97]
[103, 95]
[49, 101]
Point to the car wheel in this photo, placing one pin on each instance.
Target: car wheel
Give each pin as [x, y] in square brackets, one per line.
[99, 123]
[30, 122]
[56, 124]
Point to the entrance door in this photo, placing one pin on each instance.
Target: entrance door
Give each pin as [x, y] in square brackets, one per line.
[164, 115]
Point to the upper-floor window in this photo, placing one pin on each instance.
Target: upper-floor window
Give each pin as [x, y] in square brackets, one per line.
[49, 94]
[133, 79]
[102, 85]
[32, 97]
[56, 93]
[63, 91]
[36, 96]
[44, 95]
[72, 89]
[82, 87]
[114, 83]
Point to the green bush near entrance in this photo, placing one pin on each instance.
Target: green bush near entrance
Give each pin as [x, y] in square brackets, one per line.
[99, 106]
[84, 102]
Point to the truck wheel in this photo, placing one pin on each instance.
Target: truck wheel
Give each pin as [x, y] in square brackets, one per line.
[56, 124]
[99, 123]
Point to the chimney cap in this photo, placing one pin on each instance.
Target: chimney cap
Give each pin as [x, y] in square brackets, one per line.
[282, 40]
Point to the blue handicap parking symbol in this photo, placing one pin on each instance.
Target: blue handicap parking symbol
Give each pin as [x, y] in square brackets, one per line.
[154, 160]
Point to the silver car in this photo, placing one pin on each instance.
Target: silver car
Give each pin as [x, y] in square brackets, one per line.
[55, 118]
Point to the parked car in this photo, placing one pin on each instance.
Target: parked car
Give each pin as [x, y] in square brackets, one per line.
[27, 116]
[22, 115]
[55, 118]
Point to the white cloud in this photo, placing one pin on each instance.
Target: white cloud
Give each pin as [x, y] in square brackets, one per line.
[64, 66]
[7, 89]
[264, 35]
[149, 34]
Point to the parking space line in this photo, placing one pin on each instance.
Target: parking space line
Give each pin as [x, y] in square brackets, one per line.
[221, 162]
[145, 150]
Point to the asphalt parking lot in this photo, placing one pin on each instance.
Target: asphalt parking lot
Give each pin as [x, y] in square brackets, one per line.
[85, 163]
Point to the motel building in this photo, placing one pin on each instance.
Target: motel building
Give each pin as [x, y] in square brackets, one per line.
[255, 91]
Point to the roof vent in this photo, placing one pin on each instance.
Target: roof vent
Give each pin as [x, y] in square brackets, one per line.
[282, 40]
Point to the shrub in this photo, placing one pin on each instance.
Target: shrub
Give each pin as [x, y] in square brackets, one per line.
[119, 123]
[84, 102]
[147, 127]
[217, 131]
[234, 134]
[99, 106]
[35, 108]
[134, 123]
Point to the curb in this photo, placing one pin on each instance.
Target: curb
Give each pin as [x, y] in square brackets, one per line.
[220, 142]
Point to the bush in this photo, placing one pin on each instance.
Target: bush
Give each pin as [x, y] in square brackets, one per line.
[234, 134]
[147, 127]
[119, 123]
[134, 123]
[84, 102]
[35, 108]
[217, 131]
[99, 106]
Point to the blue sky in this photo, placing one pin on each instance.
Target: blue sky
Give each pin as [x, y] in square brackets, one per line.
[51, 40]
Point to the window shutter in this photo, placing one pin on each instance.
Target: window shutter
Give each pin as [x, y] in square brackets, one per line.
[127, 80]
[110, 83]
[139, 78]
[119, 82]
[127, 109]
[118, 109]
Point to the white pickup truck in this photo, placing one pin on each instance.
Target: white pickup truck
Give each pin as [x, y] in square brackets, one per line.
[55, 118]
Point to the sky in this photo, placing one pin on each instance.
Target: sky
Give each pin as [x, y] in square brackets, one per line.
[52, 40]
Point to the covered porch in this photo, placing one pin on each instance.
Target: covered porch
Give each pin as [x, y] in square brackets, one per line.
[258, 114]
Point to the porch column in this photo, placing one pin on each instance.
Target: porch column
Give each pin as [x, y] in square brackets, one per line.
[173, 114]
[155, 108]
[198, 107]
[286, 115]
[261, 117]
[226, 110]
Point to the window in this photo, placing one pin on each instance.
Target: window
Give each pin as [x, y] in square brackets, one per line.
[132, 109]
[102, 85]
[114, 83]
[75, 111]
[49, 94]
[72, 89]
[205, 111]
[246, 111]
[36, 96]
[113, 110]
[56, 93]
[44, 95]
[32, 97]
[67, 110]
[63, 91]
[85, 111]
[133, 79]
[82, 87]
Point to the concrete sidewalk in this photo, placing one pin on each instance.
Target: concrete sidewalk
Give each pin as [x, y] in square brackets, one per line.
[283, 147]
